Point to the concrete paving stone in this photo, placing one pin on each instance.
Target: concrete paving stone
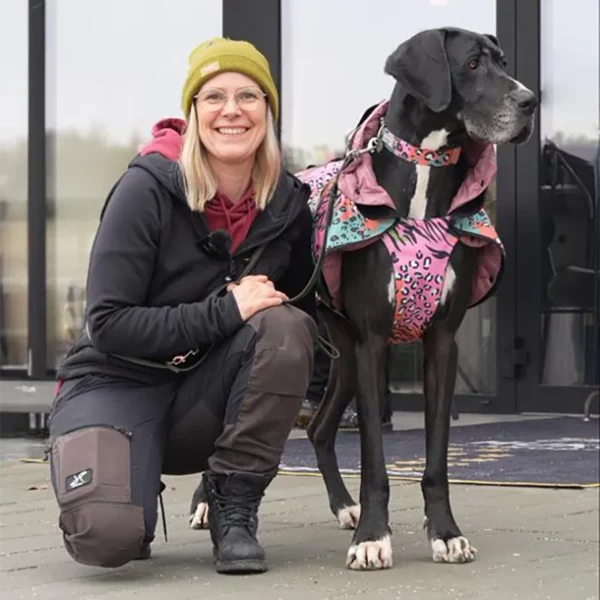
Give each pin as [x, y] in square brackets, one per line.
[534, 544]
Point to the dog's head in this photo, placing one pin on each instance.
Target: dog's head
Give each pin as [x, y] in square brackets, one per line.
[464, 73]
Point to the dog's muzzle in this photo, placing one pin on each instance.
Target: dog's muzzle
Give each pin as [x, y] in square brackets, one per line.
[526, 104]
[525, 101]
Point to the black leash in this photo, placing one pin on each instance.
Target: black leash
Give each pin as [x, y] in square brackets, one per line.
[327, 347]
[373, 144]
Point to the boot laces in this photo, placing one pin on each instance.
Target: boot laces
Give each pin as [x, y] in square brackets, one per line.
[238, 511]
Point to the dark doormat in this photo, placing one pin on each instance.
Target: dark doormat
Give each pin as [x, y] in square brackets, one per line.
[554, 452]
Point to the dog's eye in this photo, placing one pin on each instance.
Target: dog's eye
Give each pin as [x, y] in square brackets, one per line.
[473, 63]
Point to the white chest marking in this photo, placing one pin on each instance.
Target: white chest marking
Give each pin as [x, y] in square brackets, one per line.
[418, 203]
[392, 289]
[449, 281]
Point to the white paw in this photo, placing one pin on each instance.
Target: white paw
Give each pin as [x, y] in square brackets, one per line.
[199, 520]
[456, 550]
[349, 516]
[369, 556]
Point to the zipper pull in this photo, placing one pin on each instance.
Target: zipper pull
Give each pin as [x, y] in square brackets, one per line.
[124, 431]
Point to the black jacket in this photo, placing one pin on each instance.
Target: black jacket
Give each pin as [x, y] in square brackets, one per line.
[153, 267]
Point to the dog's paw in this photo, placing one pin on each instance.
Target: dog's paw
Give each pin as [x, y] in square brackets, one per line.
[370, 556]
[455, 550]
[199, 519]
[349, 516]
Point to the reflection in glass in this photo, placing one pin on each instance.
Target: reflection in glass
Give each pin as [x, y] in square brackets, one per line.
[569, 204]
[103, 95]
[332, 72]
[13, 184]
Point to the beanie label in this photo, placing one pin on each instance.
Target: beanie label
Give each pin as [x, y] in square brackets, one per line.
[210, 68]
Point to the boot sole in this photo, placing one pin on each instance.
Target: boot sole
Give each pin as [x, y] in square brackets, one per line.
[241, 566]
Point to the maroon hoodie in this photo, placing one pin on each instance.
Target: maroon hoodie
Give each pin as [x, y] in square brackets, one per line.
[220, 212]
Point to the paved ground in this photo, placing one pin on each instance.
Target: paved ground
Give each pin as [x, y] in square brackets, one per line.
[533, 544]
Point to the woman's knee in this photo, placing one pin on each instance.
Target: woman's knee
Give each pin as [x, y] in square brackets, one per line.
[91, 477]
[285, 327]
[102, 534]
[288, 336]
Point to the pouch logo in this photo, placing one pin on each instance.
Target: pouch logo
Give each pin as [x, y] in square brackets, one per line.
[80, 479]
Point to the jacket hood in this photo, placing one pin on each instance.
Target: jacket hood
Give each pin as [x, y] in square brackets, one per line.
[167, 138]
[159, 156]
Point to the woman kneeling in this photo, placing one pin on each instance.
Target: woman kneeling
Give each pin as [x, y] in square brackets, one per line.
[191, 360]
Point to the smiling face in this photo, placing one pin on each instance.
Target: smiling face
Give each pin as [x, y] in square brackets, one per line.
[232, 117]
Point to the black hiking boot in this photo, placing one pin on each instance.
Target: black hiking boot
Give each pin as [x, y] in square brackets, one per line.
[233, 502]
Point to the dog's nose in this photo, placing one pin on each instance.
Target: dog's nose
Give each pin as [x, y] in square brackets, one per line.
[526, 101]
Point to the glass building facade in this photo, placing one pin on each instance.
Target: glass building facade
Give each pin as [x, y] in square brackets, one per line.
[84, 88]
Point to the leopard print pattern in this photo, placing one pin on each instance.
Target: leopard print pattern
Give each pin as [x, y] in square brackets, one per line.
[420, 251]
[476, 230]
[348, 229]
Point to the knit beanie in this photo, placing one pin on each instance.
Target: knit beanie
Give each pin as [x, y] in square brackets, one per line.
[219, 55]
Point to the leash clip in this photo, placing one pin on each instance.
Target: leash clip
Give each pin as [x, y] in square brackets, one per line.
[375, 144]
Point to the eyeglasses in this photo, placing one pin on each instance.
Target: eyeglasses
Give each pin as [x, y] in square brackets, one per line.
[246, 98]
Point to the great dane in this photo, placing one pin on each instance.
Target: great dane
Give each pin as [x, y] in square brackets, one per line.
[427, 146]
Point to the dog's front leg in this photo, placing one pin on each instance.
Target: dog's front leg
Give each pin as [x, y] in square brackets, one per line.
[441, 354]
[371, 545]
[323, 428]
[198, 518]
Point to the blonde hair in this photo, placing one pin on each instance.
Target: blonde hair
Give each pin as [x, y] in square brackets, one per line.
[200, 181]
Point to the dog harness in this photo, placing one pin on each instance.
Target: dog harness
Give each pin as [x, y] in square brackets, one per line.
[420, 249]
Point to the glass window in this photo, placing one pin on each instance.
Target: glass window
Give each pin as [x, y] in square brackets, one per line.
[332, 72]
[13, 183]
[113, 69]
[569, 205]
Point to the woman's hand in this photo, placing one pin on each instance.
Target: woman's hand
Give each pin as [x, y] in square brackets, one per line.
[255, 293]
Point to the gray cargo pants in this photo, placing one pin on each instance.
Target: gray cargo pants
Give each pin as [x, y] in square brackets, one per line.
[111, 439]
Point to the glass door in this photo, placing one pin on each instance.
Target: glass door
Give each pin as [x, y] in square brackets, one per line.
[315, 123]
[559, 227]
[14, 255]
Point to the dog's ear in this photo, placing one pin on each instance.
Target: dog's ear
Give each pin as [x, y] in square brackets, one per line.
[420, 64]
[493, 39]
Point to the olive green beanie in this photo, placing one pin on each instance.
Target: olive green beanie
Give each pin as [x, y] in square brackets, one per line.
[219, 55]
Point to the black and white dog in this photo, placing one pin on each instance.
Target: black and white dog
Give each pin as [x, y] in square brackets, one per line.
[451, 85]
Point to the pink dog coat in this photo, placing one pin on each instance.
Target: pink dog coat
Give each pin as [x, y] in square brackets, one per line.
[420, 249]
